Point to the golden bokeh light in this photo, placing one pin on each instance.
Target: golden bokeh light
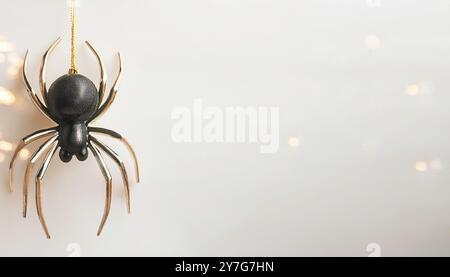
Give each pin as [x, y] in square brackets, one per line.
[6, 146]
[15, 60]
[294, 142]
[2, 157]
[24, 154]
[421, 166]
[6, 46]
[412, 90]
[6, 97]
[373, 42]
[13, 71]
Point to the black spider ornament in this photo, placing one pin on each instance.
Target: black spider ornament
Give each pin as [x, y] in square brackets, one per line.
[73, 103]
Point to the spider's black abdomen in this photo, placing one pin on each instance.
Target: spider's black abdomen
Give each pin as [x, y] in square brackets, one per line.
[72, 98]
[73, 140]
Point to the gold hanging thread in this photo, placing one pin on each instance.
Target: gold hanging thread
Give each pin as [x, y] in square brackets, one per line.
[73, 67]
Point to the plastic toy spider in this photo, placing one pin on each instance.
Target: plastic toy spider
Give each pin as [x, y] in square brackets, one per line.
[73, 103]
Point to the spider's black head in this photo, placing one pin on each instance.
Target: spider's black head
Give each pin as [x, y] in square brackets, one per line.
[72, 98]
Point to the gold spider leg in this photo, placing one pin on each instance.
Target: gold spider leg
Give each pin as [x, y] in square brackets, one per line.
[113, 155]
[26, 179]
[36, 101]
[112, 95]
[102, 86]
[42, 83]
[113, 134]
[108, 179]
[39, 178]
[23, 143]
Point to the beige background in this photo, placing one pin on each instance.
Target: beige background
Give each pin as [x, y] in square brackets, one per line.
[363, 85]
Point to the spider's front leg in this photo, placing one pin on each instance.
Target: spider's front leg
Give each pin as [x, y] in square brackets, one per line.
[102, 108]
[23, 143]
[36, 101]
[102, 85]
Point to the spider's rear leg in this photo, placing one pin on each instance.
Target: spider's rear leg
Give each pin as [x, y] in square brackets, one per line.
[23, 143]
[118, 136]
[108, 179]
[39, 178]
[36, 155]
[113, 155]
